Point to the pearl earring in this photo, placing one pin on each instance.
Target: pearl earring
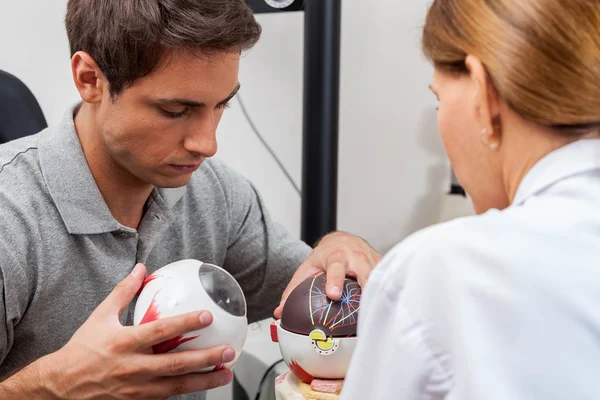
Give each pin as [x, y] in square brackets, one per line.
[484, 133]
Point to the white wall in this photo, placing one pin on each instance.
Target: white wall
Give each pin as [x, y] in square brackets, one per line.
[34, 47]
[392, 166]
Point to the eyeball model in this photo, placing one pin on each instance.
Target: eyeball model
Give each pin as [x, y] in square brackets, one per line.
[187, 286]
[316, 335]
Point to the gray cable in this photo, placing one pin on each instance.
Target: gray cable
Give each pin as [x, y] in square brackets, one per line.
[263, 141]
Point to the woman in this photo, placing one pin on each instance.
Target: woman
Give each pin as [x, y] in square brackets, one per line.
[506, 304]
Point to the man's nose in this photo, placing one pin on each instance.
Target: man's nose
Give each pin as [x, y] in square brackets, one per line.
[202, 138]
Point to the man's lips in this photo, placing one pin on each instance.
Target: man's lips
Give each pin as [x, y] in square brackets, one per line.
[186, 167]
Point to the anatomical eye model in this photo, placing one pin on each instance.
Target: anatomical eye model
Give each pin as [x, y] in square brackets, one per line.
[340, 321]
[187, 286]
[317, 335]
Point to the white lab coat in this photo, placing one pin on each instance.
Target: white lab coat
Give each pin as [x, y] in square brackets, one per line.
[501, 306]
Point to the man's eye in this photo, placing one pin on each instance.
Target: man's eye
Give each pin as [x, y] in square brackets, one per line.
[223, 106]
[175, 115]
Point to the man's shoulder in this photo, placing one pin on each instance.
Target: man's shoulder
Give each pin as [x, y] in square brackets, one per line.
[215, 169]
[18, 154]
[21, 180]
[216, 179]
[20, 171]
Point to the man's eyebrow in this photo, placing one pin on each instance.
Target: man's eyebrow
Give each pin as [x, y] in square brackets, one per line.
[232, 95]
[192, 103]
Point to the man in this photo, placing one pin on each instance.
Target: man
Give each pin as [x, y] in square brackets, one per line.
[124, 180]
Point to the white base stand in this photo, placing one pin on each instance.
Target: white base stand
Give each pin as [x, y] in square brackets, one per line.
[287, 387]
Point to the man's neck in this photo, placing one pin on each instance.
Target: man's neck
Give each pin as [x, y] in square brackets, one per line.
[124, 194]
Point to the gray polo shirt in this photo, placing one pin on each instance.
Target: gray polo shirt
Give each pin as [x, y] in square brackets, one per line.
[62, 252]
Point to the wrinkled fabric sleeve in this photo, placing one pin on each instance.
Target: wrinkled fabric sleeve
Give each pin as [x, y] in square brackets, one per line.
[261, 254]
[394, 357]
[13, 298]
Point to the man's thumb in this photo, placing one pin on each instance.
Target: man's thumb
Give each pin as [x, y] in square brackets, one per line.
[125, 291]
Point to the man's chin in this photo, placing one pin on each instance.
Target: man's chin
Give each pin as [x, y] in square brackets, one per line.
[171, 182]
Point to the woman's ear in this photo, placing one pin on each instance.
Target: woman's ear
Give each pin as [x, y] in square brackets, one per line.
[487, 103]
[88, 78]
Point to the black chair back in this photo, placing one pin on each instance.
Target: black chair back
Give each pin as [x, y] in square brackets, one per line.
[20, 113]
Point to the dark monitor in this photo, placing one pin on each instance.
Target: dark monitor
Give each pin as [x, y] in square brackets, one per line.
[270, 6]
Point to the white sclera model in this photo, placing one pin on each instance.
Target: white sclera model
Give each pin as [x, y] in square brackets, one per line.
[304, 357]
[191, 285]
[316, 335]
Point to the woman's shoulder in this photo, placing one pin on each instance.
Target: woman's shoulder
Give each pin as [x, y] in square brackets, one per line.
[450, 249]
[458, 233]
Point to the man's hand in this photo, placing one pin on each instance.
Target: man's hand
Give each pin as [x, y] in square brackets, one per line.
[105, 360]
[339, 255]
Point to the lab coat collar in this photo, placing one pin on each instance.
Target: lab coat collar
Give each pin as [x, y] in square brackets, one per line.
[572, 159]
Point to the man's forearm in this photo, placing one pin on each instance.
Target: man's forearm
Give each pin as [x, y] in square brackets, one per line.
[32, 382]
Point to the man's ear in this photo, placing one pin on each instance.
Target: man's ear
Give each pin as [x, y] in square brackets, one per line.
[487, 103]
[89, 79]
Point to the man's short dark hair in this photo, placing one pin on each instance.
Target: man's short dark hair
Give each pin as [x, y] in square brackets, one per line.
[128, 38]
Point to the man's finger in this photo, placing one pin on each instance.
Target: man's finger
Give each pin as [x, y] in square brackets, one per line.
[303, 272]
[199, 382]
[297, 279]
[361, 266]
[168, 387]
[170, 328]
[336, 274]
[278, 311]
[118, 300]
[374, 258]
[186, 362]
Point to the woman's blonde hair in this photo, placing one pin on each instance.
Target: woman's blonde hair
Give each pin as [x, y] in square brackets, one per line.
[543, 56]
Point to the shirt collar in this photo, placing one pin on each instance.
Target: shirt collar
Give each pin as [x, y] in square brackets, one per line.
[72, 185]
[575, 158]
